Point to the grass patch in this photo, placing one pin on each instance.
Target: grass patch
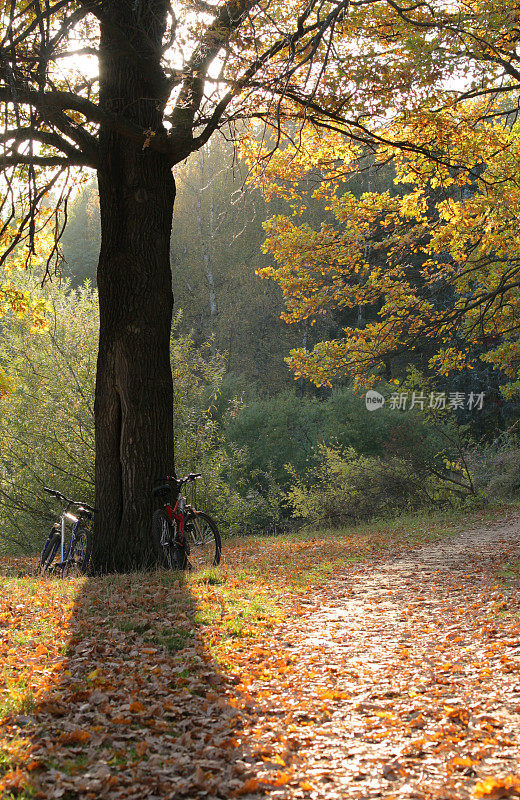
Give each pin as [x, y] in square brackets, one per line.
[133, 626]
[212, 576]
[174, 578]
[75, 765]
[509, 573]
[17, 702]
[172, 639]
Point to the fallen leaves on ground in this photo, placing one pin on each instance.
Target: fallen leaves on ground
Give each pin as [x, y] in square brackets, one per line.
[337, 666]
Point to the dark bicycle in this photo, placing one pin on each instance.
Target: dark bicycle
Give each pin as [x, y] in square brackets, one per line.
[183, 537]
[74, 556]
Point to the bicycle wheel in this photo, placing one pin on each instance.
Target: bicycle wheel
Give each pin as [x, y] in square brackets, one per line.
[79, 555]
[50, 549]
[169, 553]
[203, 540]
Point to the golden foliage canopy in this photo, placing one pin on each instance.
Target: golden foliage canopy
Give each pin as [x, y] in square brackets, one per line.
[437, 257]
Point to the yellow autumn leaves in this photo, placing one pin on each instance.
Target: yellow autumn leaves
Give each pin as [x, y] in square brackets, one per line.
[19, 302]
[451, 224]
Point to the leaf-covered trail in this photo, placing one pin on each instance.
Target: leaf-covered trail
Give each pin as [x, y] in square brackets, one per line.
[353, 665]
[404, 679]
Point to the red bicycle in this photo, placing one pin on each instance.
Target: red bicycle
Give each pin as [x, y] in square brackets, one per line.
[184, 538]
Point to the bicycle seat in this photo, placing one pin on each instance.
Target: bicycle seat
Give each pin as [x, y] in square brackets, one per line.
[85, 511]
[163, 487]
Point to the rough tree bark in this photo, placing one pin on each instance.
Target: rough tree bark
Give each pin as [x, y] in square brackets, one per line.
[134, 392]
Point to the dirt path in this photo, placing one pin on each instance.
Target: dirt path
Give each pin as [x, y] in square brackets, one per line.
[399, 680]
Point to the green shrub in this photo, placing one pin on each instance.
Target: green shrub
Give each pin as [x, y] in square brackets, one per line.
[345, 487]
[506, 480]
[288, 429]
[47, 426]
[495, 467]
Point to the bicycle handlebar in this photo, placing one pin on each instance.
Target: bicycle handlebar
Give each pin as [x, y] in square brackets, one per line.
[193, 476]
[60, 496]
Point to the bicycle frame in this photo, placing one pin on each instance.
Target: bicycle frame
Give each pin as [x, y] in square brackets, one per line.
[56, 541]
[76, 520]
[65, 555]
[176, 514]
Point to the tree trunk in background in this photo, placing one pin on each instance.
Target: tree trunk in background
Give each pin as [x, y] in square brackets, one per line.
[134, 392]
[207, 244]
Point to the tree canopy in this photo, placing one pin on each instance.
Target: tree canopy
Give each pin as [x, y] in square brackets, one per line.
[204, 65]
[435, 263]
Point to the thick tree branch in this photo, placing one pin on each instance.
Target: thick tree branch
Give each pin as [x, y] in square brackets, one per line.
[52, 102]
[43, 161]
[144, 57]
[21, 135]
[188, 103]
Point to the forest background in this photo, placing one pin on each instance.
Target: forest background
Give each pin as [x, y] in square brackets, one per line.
[275, 451]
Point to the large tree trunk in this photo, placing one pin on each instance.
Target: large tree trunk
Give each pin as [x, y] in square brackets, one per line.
[134, 393]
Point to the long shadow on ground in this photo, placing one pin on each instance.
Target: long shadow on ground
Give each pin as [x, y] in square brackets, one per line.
[135, 708]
